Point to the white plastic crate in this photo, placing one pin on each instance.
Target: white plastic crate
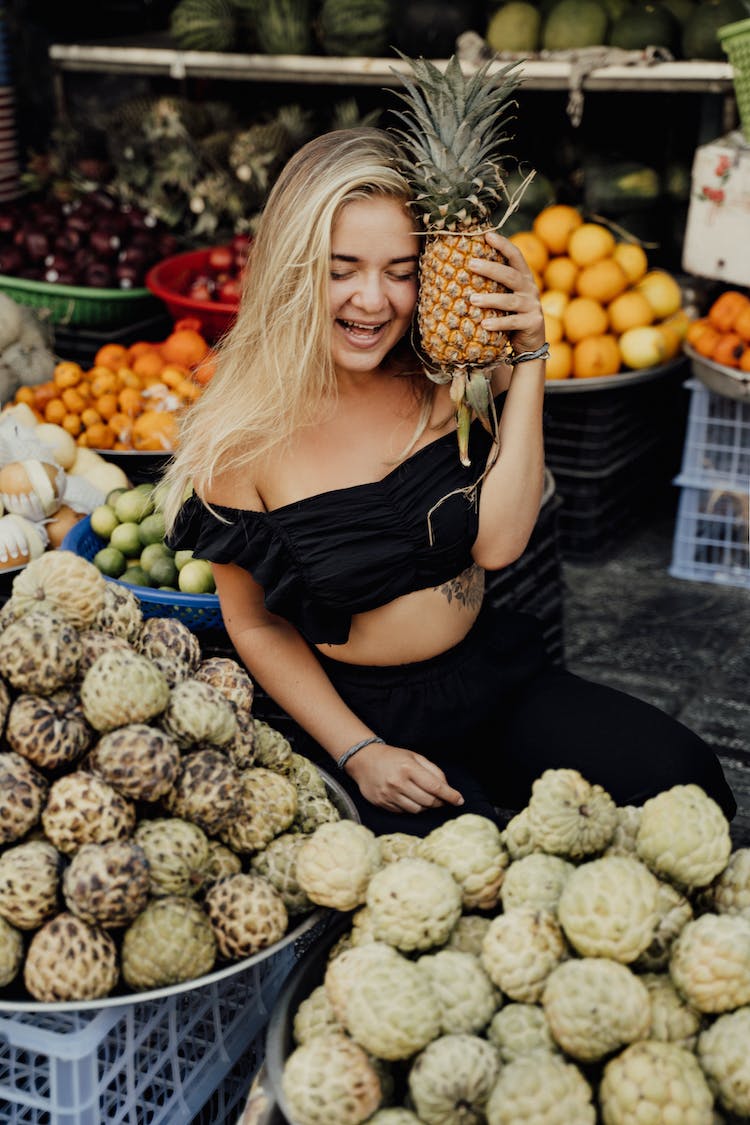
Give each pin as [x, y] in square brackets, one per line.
[711, 540]
[717, 441]
[150, 1062]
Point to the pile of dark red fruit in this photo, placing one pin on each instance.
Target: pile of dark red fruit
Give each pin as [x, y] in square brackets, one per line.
[220, 280]
[90, 241]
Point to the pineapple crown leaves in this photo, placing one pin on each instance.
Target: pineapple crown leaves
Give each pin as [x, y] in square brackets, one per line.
[454, 132]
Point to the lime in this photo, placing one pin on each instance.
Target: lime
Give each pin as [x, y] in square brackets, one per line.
[196, 577]
[131, 506]
[104, 520]
[126, 538]
[154, 552]
[163, 572]
[112, 495]
[182, 557]
[151, 528]
[110, 561]
[159, 494]
[135, 576]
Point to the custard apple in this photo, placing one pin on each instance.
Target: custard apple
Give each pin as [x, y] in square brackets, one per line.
[673, 911]
[517, 838]
[140, 761]
[120, 613]
[206, 791]
[390, 1009]
[672, 1018]
[710, 962]
[451, 1079]
[23, 792]
[414, 904]
[362, 927]
[314, 1016]
[347, 965]
[169, 942]
[468, 934]
[730, 892]
[520, 950]
[536, 880]
[171, 646]
[230, 678]
[94, 643]
[241, 749]
[519, 1029]
[540, 1089]
[594, 1006]
[11, 952]
[267, 805]
[177, 854]
[658, 1082]
[608, 908]
[394, 1115]
[61, 583]
[5, 701]
[312, 811]
[83, 809]
[568, 816]
[30, 884]
[198, 714]
[49, 731]
[465, 994]
[398, 845]
[272, 750]
[222, 861]
[246, 914]
[330, 1079]
[471, 848]
[122, 687]
[69, 959]
[626, 831]
[107, 884]
[39, 653]
[336, 863]
[306, 775]
[684, 836]
[277, 863]
[724, 1055]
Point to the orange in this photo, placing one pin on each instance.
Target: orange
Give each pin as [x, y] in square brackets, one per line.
[553, 328]
[603, 280]
[25, 394]
[147, 363]
[560, 362]
[554, 225]
[553, 301]
[583, 316]
[72, 423]
[67, 374]
[138, 348]
[100, 436]
[561, 273]
[55, 411]
[90, 416]
[595, 356]
[532, 248]
[102, 381]
[74, 402]
[106, 405]
[662, 292]
[155, 430]
[632, 258]
[111, 355]
[184, 346]
[122, 426]
[129, 401]
[128, 378]
[204, 372]
[672, 339]
[172, 375]
[589, 243]
[629, 310]
[642, 347]
[679, 321]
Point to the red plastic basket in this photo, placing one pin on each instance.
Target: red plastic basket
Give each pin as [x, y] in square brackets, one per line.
[169, 279]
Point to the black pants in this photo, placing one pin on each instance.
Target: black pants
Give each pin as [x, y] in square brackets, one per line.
[494, 713]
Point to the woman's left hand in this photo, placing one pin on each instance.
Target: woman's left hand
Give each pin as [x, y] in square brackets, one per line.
[518, 312]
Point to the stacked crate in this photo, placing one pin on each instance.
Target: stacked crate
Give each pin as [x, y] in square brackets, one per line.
[711, 541]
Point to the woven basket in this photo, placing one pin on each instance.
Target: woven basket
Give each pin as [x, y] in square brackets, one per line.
[735, 39]
[79, 305]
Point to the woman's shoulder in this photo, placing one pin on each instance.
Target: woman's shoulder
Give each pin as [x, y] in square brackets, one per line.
[234, 486]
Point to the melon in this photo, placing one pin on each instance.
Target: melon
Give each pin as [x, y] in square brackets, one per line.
[699, 38]
[354, 27]
[515, 27]
[284, 27]
[203, 25]
[648, 25]
[574, 24]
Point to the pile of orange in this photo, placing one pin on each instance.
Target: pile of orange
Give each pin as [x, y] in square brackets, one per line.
[604, 308]
[723, 335]
[131, 398]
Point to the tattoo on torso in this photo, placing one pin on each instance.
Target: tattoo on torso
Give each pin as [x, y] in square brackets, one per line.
[467, 588]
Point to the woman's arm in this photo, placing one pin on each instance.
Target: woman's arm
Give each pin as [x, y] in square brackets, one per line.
[283, 664]
[512, 490]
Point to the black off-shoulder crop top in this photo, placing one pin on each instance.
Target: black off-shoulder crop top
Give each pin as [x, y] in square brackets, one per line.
[322, 559]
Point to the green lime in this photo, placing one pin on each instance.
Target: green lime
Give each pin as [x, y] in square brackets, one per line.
[196, 577]
[133, 505]
[151, 528]
[104, 520]
[163, 572]
[154, 552]
[135, 576]
[182, 557]
[112, 495]
[159, 494]
[110, 561]
[127, 539]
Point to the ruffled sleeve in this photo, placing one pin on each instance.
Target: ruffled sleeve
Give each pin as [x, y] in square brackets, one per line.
[255, 542]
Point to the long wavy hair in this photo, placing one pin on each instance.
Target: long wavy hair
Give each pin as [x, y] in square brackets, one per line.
[274, 369]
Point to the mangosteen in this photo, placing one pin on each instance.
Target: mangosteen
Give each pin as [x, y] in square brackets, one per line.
[99, 275]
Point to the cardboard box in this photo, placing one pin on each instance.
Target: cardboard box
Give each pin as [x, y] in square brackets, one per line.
[717, 238]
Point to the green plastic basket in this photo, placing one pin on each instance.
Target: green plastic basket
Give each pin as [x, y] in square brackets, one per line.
[78, 305]
[735, 39]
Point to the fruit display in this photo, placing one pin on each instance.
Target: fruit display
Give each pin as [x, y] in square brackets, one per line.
[605, 309]
[587, 963]
[131, 397]
[723, 334]
[204, 284]
[149, 819]
[26, 355]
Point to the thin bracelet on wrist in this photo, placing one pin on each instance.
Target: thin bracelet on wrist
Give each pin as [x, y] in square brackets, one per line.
[341, 762]
[540, 353]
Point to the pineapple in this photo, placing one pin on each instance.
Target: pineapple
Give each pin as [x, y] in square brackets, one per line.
[454, 132]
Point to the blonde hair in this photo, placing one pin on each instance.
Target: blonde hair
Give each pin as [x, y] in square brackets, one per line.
[274, 368]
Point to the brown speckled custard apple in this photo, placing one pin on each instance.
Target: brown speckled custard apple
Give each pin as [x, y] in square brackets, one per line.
[272, 750]
[177, 853]
[94, 643]
[519, 1029]
[30, 884]
[594, 1005]
[520, 950]
[391, 1010]
[471, 848]
[684, 836]
[246, 914]
[230, 678]
[241, 749]
[336, 863]
[663, 1080]
[68, 959]
[570, 817]
[608, 908]
[413, 904]
[50, 731]
[277, 863]
[172, 647]
[63, 583]
[107, 884]
[11, 952]
[140, 761]
[330, 1079]
[267, 805]
[198, 714]
[5, 701]
[314, 1016]
[222, 861]
[306, 775]
[710, 962]
[169, 942]
[313, 809]
[466, 995]
[207, 791]
[122, 687]
[83, 809]
[540, 1089]
[724, 1055]
[23, 792]
[451, 1079]
[39, 653]
[535, 880]
[120, 613]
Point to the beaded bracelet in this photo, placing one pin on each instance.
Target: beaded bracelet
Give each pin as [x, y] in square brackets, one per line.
[341, 762]
[540, 353]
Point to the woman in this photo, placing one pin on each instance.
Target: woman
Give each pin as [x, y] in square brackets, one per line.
[349, 544]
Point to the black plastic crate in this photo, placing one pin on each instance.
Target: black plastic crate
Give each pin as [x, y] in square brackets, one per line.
[80, 345]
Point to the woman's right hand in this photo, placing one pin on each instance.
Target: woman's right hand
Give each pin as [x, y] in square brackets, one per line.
[400, 780]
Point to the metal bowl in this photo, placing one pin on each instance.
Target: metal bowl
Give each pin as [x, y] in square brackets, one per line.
[728, 381]
[612, 382]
